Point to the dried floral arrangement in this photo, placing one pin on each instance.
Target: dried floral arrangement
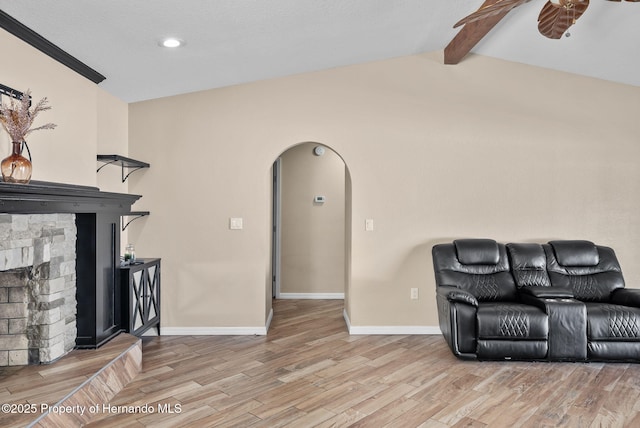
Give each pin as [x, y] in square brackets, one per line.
[17, 118]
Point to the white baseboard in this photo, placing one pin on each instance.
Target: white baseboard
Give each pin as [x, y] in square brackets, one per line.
[213, 331]
[268, 323]
[218, 331]
[318, 296]
[345, 315]
[262, 331]
[389, 329]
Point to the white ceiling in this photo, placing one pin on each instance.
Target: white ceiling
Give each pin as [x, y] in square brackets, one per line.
[237, 41]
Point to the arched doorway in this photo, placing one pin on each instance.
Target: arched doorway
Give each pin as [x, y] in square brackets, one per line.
[312, 224]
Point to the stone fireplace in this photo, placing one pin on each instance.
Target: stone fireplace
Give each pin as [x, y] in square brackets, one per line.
[59, 260]
[37, 287]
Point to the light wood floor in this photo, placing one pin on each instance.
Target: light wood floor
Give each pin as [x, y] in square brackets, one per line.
[82, 376]
[308, 372]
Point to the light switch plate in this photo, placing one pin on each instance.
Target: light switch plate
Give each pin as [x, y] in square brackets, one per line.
[368, 224]
[235, 223]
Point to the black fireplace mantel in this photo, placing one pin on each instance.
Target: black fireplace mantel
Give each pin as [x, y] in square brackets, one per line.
[41, 197]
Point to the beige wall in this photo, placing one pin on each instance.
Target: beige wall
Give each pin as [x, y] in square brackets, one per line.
[89, 120]
[67, 153]
[112, 139]
[313, 234]
[486, 148]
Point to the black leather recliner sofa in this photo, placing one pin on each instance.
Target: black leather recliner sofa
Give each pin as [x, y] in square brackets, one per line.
[561, 301]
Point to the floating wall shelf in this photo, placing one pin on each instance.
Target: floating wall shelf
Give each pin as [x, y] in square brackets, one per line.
[124, 162]
[136, 215]
[133, 165]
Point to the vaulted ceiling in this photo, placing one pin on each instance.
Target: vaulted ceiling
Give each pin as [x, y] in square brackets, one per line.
[236, 41]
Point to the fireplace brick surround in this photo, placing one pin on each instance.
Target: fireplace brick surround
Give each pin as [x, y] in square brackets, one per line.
[37, 287]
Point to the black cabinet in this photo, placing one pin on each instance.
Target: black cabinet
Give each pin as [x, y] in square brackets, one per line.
[141, 296]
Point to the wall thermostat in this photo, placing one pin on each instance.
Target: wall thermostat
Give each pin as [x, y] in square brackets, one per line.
[319, 199]
[318, 151]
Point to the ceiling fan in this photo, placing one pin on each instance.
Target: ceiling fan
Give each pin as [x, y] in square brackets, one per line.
[554, 20]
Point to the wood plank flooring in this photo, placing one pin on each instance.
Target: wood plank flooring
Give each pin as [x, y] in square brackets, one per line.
[309, 372]
[82, 377]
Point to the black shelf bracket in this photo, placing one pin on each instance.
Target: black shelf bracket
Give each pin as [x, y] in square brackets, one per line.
[124, 162]
[136, 215]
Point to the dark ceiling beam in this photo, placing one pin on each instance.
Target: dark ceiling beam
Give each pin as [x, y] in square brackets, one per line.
[470, 35]
[45, 46]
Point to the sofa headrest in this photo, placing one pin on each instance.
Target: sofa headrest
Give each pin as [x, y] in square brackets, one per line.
[527, 256]
[576, 253]
[477, 251]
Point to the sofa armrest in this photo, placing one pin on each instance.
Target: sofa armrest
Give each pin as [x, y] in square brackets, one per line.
[548, 292]
[457, 311]
[454, 294]
[626, 297]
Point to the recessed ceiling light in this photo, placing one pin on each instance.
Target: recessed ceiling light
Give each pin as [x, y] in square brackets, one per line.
[171, 42]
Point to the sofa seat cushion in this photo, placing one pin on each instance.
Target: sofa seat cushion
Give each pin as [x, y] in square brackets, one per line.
[511, 321]
[606, 321]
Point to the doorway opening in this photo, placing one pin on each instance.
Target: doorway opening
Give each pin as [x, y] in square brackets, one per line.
[311, 241]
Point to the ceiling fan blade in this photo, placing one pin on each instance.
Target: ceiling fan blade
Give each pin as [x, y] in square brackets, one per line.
[555, 19]
[625, 0]
[501, 6]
